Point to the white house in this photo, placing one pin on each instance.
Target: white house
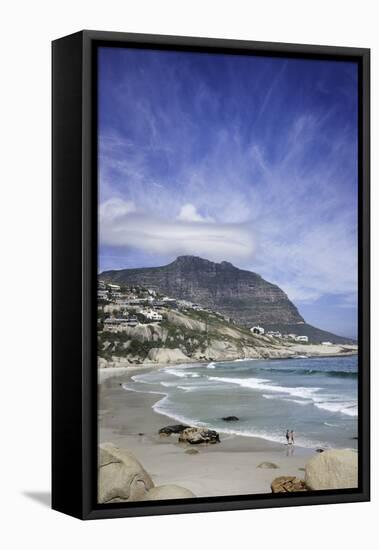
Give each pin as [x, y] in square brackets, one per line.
[114, 325]
[302, 338]
[184, 304]
[169, 302]
[119, 325]
[274, 333]
[114, 288]
[102, 294]
[152, 315]
[132, 321]
[326, 343]
[257, 330]
[114, 321]
[136, 301]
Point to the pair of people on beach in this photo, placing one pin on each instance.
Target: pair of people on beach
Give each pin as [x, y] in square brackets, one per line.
[290, 437]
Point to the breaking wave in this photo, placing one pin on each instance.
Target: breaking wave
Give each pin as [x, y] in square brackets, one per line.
[306, 372]
[307, 395]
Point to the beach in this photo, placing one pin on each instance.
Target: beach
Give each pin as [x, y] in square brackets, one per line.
[127, 420]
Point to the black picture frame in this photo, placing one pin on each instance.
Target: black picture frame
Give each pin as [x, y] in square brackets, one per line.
[74, 205]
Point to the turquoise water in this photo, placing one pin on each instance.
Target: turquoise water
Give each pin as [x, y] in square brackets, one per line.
[315, 397]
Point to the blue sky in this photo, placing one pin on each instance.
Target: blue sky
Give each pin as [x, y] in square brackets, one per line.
[252, 160]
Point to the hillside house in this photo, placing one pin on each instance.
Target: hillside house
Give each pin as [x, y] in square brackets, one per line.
[274, 333]
[137, 301]
[114, 288]
[152, 315]
[119, 324]
[259, 331]
[132, 321]
[169, 302]
[113, 321]
[114, 325]
[184, 304]
[302, 338]
[114, 291]
[102, 294]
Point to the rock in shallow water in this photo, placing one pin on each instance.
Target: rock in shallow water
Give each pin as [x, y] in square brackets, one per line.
[230, 418]
[288, 484]
[333, 469]
[199, 435]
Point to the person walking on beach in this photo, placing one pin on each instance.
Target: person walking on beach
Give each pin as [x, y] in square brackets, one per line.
[288, 437]
[292, 438]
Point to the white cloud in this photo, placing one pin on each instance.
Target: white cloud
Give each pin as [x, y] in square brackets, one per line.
[123, 225]
[116, 208]
[189, 213]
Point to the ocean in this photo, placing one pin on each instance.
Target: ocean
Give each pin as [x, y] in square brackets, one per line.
[314, 397]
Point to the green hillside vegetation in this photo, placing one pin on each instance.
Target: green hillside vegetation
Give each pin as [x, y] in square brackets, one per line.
[191, 331]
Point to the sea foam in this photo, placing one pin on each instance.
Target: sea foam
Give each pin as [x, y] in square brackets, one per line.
[261, 384]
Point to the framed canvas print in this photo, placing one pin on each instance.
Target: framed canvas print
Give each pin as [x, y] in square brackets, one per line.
[210, 275]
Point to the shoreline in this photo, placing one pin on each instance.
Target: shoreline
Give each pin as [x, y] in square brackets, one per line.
[127, 419]
[115, 365]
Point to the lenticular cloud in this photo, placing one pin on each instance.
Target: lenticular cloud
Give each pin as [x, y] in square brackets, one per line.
[123, 224]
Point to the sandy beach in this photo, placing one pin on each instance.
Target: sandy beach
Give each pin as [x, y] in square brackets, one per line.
[127, 420]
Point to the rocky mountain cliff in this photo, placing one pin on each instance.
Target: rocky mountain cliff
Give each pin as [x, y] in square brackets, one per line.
[242, 295]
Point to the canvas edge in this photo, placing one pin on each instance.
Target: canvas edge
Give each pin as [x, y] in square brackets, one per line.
[87, 508]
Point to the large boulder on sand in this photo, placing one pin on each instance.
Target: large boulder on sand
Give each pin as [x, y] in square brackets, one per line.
[121, 477]
[199, 435]
[164, 492]
[333, 469]
[287, 484]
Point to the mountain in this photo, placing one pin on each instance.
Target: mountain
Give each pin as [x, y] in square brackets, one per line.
[239, 294]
